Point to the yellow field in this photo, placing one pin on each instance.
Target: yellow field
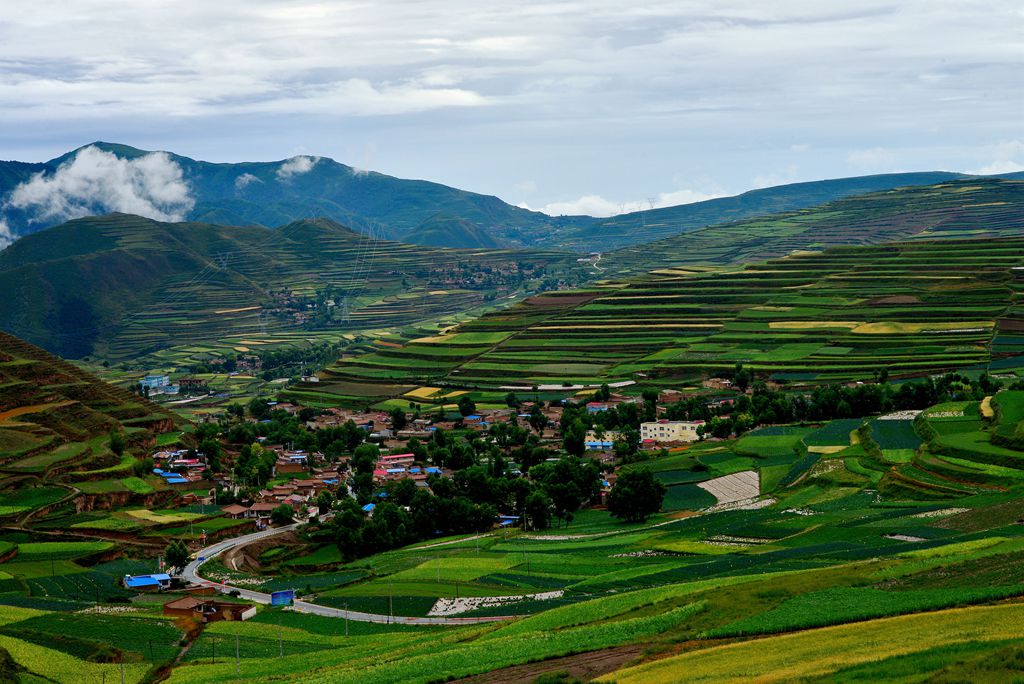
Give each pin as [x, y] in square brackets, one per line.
[244, 308]
[423, 392]
[986, 408]
[889, 328]
[825, 449]
[811, 325]
[150, 516]
[819, 652]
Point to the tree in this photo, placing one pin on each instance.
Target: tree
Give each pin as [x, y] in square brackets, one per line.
[258, 408]
[282, 515]
[466, 406]
[511, 400]
[741, 378]
[538, 510]
[636, 495]
[538, 421]
[398, 419]
[574, 438]
[117, 442]
[176, 554]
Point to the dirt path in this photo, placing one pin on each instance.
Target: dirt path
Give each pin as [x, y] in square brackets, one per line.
[585, 666]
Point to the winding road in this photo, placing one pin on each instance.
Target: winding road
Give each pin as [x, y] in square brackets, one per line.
[191, 574]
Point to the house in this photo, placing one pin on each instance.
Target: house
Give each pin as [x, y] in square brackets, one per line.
[664, 431]
[717, 383]
[596, 406]
[155, 582]
[156, 382]
[234, 511]
[192, 385]
[261, 509]
[208, 610]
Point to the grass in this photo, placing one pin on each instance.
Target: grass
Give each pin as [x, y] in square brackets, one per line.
[821, 652]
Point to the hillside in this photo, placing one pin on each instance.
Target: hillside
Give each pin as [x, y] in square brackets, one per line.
[914, 307]
[278, 192]
[118, 286]
[957, 208]
[442, 231]
[54, 416]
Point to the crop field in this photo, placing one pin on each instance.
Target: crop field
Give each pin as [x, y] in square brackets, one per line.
[913, 308]
[820, 551]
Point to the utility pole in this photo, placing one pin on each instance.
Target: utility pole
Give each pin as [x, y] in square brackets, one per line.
[280, 642]
[122, 671]
[391, 603]
[236, 654]
[213, 652]
[346, 619]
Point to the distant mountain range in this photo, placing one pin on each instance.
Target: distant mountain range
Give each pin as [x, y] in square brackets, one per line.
[105, 177]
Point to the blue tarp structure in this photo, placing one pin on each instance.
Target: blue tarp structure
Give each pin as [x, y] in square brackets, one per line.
[159, 579]
[369, 507]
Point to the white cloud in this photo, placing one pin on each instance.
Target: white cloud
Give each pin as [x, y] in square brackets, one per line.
[783, 176]
[6, 236]
[873, 160]
[596, 205]
[296, 166]
[1007, 157]
[245, 180]
[446, 87]
[95, 181]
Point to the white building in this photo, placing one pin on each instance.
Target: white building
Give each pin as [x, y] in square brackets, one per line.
[670, 430]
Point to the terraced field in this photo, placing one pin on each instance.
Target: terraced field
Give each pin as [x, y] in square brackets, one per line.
[191, 284]
[914, 307]
[955, 209]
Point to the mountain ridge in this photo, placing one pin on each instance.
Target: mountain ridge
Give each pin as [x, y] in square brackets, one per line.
[273, 193]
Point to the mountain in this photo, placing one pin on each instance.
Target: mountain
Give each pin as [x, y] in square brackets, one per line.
[442, 231]
[647, 226]
[120, 285]
[106, 177]
[955, 208]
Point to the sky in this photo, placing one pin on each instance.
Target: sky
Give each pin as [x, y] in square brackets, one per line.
[568, 107]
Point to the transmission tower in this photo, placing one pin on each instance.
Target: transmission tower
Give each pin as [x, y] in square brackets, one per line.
[346, 315]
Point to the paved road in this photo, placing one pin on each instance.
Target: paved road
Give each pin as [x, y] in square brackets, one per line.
[191, 573]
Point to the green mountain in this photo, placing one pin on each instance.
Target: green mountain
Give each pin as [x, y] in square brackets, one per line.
[442, 231]
[278, 192]
[120, 285]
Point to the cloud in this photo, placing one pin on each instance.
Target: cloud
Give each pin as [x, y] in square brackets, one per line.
[873, 159]
[783, 176]
[296, 166]
[6, 236]
[596, 205]
[97, 182]
[1007, 157]
[446, 87]
[245, 180]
